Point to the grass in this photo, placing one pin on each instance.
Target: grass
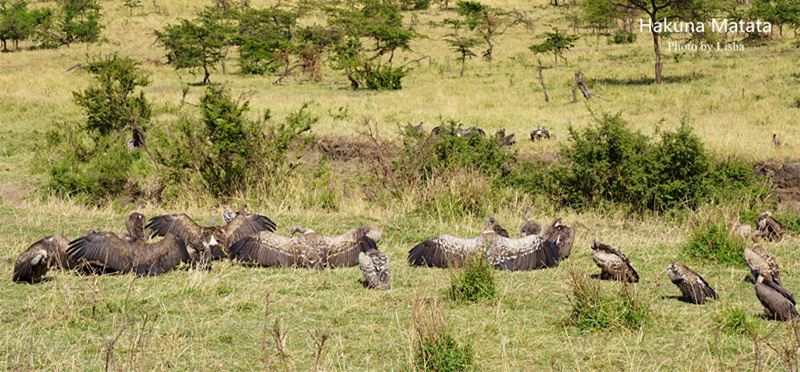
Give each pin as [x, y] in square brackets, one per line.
[474, 282]
[204, 320]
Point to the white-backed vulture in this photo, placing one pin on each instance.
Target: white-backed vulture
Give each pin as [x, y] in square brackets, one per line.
[108, 252]
[308, 250]
[528, 253]
[613, 263]
[529, 227]
[539, 133]
[374, 265]
[777, 301]
[769, 227]
[692, 285]
[776, 141]
[210, 242]
[563, 236]
[759, 259]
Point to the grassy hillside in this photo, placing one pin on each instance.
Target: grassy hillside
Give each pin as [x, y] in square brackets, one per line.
[203, 320]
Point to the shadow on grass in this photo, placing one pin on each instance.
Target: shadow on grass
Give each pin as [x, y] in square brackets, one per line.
[680, 298]
[679, 79]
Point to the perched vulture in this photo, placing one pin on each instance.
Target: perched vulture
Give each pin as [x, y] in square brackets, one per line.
[108, 252]
[539, 133]
[528, 253]
[374, 265]
[210, 242]
[759, 259]
[691, 284]
[530, 227]
[768, 227]
[776, 141]
[563, 236]
[778, 302]
[613, 263]
[309, 249]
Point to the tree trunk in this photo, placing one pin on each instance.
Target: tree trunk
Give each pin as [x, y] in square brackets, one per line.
[206, 75]
[555, 53]
[658, 55]
[463, 61]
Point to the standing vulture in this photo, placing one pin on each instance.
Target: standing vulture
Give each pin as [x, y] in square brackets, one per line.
[109, 252]
[49, 252]
[691, 284]
[374, 265]
[778, 302]
[210, 242]
[759, 259]
[563, 236]
[530, 227]
[528, 253]
[768, 227]
[613, 263]
[309, 249]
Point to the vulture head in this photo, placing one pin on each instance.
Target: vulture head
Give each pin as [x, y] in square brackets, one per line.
[135, 224]
[297, 229]
[228, 215]
[371, 233]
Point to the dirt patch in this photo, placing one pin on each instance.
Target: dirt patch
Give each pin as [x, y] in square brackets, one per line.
[786, 178]
[13, 195]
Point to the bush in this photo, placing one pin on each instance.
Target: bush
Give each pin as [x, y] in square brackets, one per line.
[710, 241]
[622, 37]
[593, 309]
[384, 77]
[437, 349]
[736, 320]
[474, 282]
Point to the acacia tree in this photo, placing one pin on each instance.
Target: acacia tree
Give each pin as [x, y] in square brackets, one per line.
[556, 43]
[460, 44]
[486, 21]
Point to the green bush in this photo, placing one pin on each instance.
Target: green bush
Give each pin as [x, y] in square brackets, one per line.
[474, 282]
[443, 354]
[622, 37]
[385, 77]
[595, 309]
[736, 320]
[710, 241]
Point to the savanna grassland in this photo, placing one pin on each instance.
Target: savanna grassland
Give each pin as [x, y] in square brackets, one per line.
[232, 317]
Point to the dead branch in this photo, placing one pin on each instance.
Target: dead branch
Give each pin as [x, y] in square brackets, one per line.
[320, 344]
[418, 61]
[579, 84]
[78, 66]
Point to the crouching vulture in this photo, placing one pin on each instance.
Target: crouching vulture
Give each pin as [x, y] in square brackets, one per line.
[529, 253]
[48, 253]
[107, 252]
[613, 263]
[692, 285]
[374, 265]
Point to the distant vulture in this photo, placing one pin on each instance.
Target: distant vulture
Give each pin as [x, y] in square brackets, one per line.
[442, 129]
[414, 129]
[738, 230]
[768, 227]
[210, 242]
[758, 259]
[613, 263]
[778, 302]
[528, 253]
[776, 141]
[374, 265]
[307, 250]
[469, 131]
[530, 227]
[563, 236]
[499, 229]
[136, 141]
[108, 252]
[500, 134]
[49, 252]
[539, 133]
[692, 285]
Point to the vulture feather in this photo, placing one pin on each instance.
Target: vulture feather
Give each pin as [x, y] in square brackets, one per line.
[759, 259]
[768, 227]
[528, 253]
[563, 236]
[692, 286]
[530, 227]
[777, 301]
[374, 265]
[613, 263]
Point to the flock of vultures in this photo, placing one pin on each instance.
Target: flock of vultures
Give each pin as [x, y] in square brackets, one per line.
[250, 239]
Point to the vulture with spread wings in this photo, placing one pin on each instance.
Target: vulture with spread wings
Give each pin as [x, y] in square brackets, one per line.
[210, 242]
[529, 253]
[309, 249]
[108, 252]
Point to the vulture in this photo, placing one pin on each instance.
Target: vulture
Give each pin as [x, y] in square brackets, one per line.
[762, 261]
[414, 129]
[539, 133]
[499, 229]
[442, 129]
[469, 131]
[374, 265]
[776, 141]
[49, 252]
[613, 263]
[108, 252]
[508, 140]
[778, 302]
[530, 227]
[691, 284]
[563, 236]
[528, 253]
[210, 242]
[308, 250]
[768, 227]
[738, 230]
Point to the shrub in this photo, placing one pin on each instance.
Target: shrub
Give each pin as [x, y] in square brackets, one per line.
[437, 349]
[736, 320]
[594, 309]
[622, 37]
[710, 241]
[474, 282]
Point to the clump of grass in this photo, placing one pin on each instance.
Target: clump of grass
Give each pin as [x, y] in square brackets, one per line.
[474, 282]
[594, 308]
[437, 349]
[710, 241]
[736, 320]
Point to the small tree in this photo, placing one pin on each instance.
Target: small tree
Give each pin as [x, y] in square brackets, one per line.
[486, 21]
[461, 45]
[557, 43]
[131, 4]
[196, 45]
[80, 21]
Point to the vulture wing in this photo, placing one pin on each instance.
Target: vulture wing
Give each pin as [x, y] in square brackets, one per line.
[529, 253]
[160, 257]
[246, 224]
[33, 263]
[562, 236]
[444, 251]
[266, 249]
[343, 250]
[104, 250]
[179, 225]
